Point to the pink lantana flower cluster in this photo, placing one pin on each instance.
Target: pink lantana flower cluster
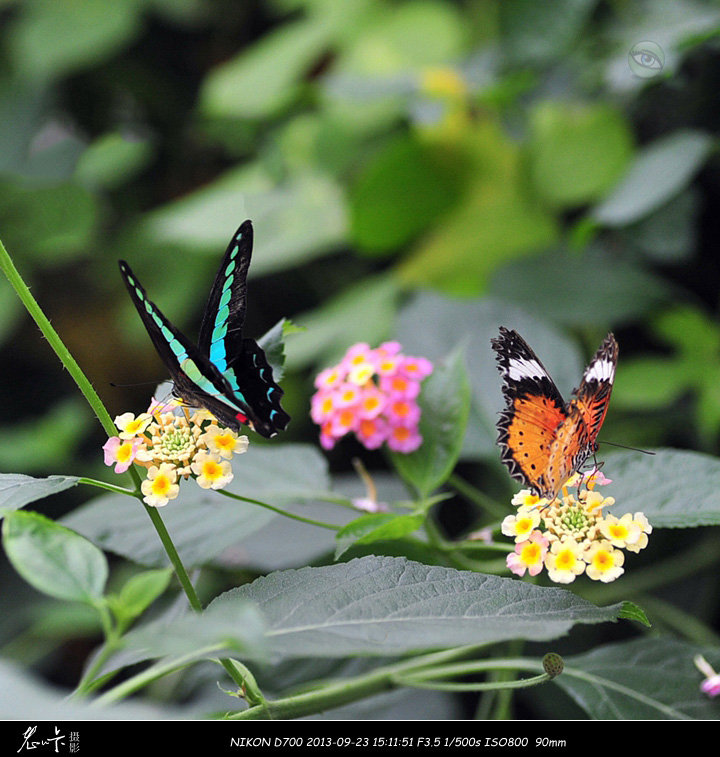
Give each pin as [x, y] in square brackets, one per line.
[173, 445]
[571, 535]
[373, 394]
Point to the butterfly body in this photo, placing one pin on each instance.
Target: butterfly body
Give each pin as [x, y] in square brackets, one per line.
[544, 440]
[226, 373]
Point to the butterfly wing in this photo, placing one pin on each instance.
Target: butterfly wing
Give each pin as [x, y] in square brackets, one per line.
[240, 360]
[197, 381]
[527, 428]
[593, 395]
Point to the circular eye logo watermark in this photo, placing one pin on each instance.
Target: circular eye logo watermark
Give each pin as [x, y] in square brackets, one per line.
[646, 59]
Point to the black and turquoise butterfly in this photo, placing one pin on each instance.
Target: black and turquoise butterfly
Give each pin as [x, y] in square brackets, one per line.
[227, 373]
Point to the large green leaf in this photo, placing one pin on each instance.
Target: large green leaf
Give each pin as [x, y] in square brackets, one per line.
[595, 288]
[54, 559]
[26, 697]
[294, 221]
[17, 490]
[577, 151]
[674, 488]
[660, 171]
[400, 192]
[643, 679]
[269, 75]
[51, 39]
[445, 404]
[47, 221]
[231, 628]
[496, 220]
[389, 606]
[204, 523]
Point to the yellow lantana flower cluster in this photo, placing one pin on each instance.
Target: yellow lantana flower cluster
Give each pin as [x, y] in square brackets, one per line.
[174, 445]
[570, 535]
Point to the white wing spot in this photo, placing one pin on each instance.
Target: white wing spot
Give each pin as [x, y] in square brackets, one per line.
[519, 368]
[601, 370]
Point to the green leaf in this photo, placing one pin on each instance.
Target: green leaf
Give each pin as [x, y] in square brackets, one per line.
[268, 76]
[204, 523]
[649, 383]
[236, 627]
[669, 234]
[46, 441]
[673, 488]
[273, 344]
[27, 696]
[540, 32]
[17, 490]
[400, 192]
[631, 611]
[296, 220]
[53, 559]
[55, 222]
[111, 160]
[390, 606]
[660, 172]
[642, 679]
[49, 40]
[496, 220]
[445, 405]
[404, 37]
[614, 290]
[376, 527]
[138, 593]
[577, 151]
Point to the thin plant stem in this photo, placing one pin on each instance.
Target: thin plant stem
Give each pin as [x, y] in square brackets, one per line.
[416, 672]
[280, 511]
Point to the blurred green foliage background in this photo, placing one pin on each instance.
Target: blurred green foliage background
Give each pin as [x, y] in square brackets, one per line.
[411, 169]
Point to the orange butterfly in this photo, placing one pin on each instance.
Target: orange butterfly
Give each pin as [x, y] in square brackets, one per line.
[542, 439]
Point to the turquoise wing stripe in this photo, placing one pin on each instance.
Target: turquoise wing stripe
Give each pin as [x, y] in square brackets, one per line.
[218, 351]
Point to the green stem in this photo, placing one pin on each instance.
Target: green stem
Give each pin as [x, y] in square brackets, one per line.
[153, 673]
[409, 672]
[481, 499]
[174, 558]
[105, 485]
[285, 513]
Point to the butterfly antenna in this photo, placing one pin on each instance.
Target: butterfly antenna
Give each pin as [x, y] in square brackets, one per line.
[138, 383]
[625, 446]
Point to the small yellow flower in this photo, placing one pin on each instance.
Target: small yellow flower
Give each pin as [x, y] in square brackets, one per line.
[211, 472]
[525, 498]
[645, 528]
[528, 555]
[131, 426]
[620, 532]
[521, 525]
[224, 442]
[594, 501]
[604, 562]
[160, 487]
[564, 561]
